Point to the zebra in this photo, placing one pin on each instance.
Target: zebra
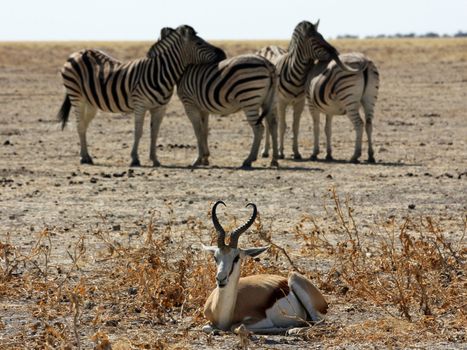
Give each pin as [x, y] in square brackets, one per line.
[272, 53]
[245, 82]
[292, 66]
[95, 81]
[332, 91]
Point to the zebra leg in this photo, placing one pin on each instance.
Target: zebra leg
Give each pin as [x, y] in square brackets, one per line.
[139, 122]
[297, 113]
[195, 116]
[156, 119]
[357, 122]
[258, 130]
[315, 115]
[328, 131]
[84, 114]
[281, 109]
[267, 136]
[368, 109]
[205, 134]
[271, 129]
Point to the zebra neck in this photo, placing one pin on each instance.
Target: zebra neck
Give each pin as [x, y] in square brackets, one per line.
[172, 65]
[297, 66]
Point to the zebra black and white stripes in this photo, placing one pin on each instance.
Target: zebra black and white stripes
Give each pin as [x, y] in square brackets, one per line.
[332, 91]
[245, 82]
[306, 46]
[95, 81]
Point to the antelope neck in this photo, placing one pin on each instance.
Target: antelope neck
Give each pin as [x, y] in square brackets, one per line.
[226, 300]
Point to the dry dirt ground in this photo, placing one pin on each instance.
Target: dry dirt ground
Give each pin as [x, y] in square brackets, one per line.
[420, 139]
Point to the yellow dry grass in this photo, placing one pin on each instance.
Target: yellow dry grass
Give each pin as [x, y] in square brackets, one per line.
[407, 283]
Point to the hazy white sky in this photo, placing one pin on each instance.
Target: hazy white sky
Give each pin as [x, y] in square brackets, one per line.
[219, 19]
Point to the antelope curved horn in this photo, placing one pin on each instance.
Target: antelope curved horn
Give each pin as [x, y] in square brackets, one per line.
[217, 225]
[234, 236]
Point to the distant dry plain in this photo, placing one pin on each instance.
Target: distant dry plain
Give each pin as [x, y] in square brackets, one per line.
[420, 139]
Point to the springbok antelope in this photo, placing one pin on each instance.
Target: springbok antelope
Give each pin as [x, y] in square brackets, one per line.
[264, 303]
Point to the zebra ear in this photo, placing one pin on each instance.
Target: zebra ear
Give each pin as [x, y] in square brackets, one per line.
[316, 25]
[165, 32]
[186, 31]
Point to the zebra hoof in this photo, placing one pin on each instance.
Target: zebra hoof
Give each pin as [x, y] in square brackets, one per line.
[329, 158]
[297, 156]
[281, 156]
[196, 163]
[274, 163]
[135, 163]
[86, 160]
[371, 160]
[354, 160]
[156, 163]
[314, 157]
[265, 154]
[205, 162]
[246, 164]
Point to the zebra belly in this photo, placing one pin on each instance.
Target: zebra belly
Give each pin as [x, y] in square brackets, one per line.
[333, 108]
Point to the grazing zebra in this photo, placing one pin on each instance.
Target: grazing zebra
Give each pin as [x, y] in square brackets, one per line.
[95, 81]
[293, 66]
[245, 82]
[333, 91]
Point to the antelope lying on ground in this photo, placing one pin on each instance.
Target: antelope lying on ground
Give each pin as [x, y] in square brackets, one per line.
[263, 303]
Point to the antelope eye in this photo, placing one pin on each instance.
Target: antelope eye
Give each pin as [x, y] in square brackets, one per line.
[236, 259]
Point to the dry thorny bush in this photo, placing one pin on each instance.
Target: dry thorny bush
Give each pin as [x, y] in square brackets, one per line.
[410, 270]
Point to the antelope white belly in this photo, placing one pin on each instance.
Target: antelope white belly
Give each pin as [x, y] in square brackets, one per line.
[286, 312]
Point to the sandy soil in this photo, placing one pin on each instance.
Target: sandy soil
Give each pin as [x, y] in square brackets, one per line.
[420, 138]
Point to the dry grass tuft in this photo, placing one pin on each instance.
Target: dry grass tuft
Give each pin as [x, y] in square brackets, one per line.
[152, 289]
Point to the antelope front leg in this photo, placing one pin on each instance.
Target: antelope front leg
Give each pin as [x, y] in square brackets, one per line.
[139, 122]
[297, 113]
[156, 119]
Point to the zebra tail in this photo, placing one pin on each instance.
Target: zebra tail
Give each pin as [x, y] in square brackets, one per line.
[371, 80]
[64, 111]
[270, 100]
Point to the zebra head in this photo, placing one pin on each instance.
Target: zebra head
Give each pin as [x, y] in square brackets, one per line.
[228, 257]
[313, 46]
[193, 49]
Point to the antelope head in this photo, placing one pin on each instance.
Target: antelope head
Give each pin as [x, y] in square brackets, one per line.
[228, 257]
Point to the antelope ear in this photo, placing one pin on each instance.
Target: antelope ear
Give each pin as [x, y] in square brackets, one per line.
[254, 251]
[209, 248]
[316, 25]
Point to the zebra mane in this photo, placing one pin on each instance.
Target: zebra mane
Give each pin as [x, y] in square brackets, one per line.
[302, 30]
[167, 34]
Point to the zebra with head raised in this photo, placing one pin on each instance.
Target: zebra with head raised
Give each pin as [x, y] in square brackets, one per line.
[333, 91]
[95, 81]
[306, 46]
[245, 82]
